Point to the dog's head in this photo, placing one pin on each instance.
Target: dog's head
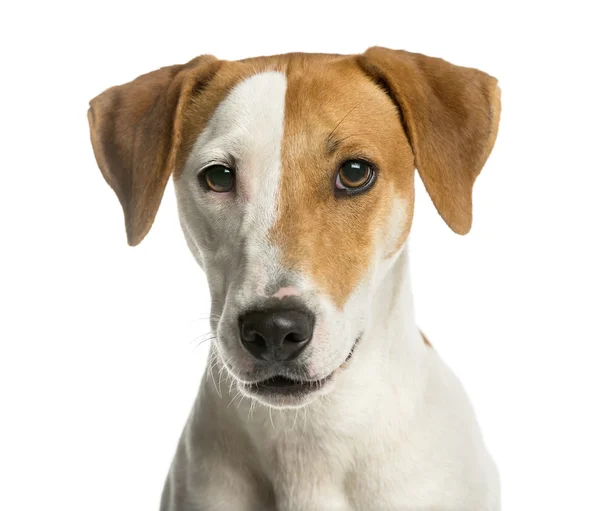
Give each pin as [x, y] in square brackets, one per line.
[294, 178]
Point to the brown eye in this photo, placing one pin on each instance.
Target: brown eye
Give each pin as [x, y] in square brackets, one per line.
[218, 178]
[354, 176]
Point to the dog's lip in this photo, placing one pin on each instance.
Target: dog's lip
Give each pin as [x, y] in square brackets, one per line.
[283, 384]
[278, 381]
[352, 350]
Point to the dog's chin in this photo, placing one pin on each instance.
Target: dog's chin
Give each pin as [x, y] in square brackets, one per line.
[282, 391]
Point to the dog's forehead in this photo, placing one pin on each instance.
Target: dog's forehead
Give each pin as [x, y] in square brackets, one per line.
[319, 87]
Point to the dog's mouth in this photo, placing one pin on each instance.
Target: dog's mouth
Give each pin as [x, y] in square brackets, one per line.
[352, 350]
[285, 386]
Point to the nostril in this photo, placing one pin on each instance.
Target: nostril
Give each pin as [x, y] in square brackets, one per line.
[255, 338]
[247, 332]
[254, 343]
[295, 337]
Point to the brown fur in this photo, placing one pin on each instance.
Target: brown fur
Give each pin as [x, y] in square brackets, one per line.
[136, 134]
[333, 113]
[451, 114]
[143, 131]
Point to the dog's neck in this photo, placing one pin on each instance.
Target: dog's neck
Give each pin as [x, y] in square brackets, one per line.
[386, 360]
[392, 349]
[392, 328]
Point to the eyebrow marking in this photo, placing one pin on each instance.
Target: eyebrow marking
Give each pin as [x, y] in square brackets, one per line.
[332, 144]
[330, 136]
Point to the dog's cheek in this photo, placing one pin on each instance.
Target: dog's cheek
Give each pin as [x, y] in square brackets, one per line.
[394, 231]
[337, 330]
[320, 351]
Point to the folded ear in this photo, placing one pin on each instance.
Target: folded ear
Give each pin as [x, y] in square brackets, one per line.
[136, 134]
[451, 116]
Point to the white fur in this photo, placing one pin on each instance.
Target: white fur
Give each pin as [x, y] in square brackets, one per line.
[246, 127]
[393, 431]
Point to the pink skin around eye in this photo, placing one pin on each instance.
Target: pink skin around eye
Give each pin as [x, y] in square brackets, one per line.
[286, 291]
[338, 183]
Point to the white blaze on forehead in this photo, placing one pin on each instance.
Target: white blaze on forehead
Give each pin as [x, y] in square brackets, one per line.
[248, 127]
[246, 130]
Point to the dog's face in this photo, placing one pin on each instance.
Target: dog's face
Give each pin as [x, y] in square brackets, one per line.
[313, 195]
[294, 178]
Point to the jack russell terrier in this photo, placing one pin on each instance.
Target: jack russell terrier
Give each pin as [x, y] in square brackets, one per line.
[294, 177]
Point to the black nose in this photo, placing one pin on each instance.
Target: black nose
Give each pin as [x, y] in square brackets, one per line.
[276, 335]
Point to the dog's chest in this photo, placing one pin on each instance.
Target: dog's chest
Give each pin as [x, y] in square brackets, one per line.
[309, 472]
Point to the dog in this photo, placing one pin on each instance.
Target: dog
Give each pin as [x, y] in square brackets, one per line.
[294, 177]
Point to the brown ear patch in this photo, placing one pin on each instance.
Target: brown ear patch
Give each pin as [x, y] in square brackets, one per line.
[335, 113]
[136, 133]
[426, 341]
[451, 116]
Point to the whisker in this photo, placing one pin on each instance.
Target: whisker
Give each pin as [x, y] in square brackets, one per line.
[241, 399]
[340, 140]
[340, 122]
[208, 336]
[305, 419]
[251, 409]
[212, 375]
[233, 398]
[271, 417]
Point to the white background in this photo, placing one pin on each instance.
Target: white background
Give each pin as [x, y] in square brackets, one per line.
[100, 354]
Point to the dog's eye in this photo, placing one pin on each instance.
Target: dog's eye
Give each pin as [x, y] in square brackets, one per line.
[354, 176]
[218, 178]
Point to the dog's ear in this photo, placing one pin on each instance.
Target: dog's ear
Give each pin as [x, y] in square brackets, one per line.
[136, 134]
[450, 115]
